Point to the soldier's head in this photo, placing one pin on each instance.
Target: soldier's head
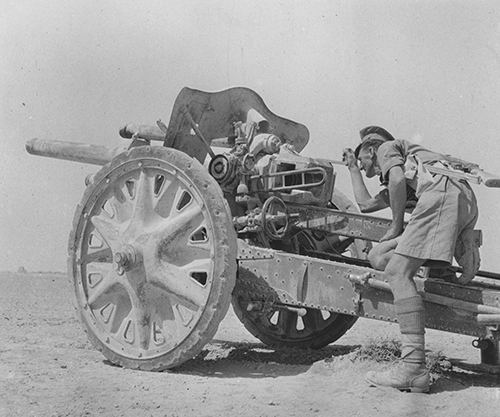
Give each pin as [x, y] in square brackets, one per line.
[366, 152]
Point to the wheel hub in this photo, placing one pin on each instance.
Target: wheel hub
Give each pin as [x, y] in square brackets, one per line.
[127, 258]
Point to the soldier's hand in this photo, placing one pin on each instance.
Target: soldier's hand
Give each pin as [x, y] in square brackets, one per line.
[349, 158]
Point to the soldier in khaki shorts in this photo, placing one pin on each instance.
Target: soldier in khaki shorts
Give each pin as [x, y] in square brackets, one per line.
[443, 215]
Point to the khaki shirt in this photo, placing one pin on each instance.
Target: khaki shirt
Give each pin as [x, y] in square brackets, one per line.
[412, 158]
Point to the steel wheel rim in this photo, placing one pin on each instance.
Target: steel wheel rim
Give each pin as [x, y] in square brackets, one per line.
[140, 290]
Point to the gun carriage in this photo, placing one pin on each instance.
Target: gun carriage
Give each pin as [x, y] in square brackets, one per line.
[220, 207]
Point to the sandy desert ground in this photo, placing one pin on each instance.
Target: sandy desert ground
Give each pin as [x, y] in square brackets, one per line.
[47, 368]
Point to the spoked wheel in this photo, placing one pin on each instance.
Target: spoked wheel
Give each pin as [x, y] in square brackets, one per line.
[278, 327]
[152, 256]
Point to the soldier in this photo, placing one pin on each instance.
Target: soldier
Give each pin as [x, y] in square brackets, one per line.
[443, 214]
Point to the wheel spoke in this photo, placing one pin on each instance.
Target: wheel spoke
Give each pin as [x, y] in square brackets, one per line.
[163, 309]
[312, 320]
[136, 325]
[119, 313]
[198, 249]
[180, 224]
[143, 207]
[142, 319]
[101, 288]
[178, 284]
[287, 322]
[107, 228]
[198, 265]
[167, 196]
[172, 316]
[174, 325]
[102, 255]
[122, 206]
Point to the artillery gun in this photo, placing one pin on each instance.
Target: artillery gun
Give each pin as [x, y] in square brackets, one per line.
[168, 233]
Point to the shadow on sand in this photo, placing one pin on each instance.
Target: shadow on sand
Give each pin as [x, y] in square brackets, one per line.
[255, 360]
[462, 376]
[225, 359]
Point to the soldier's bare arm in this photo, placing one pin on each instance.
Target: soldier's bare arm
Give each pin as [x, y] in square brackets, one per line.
[397, 196]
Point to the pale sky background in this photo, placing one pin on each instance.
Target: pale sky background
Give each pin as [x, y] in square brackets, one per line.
[79, 70]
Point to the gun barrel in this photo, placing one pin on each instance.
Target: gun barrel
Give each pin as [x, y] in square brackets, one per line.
[72, 151]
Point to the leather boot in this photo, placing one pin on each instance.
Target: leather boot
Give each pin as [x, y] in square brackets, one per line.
[411, 375]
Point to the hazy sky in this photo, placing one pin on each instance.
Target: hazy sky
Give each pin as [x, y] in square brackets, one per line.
[79, 70]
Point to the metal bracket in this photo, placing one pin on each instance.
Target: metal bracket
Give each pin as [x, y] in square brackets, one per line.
[489, 346]
[359, 283]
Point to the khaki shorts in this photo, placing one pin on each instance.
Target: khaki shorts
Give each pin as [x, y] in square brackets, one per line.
[446, 208]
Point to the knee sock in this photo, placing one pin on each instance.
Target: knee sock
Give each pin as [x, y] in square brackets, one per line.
[411, 315]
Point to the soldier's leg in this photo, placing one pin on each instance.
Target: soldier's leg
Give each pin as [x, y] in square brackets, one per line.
[380, 255]
[408, 304]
